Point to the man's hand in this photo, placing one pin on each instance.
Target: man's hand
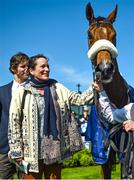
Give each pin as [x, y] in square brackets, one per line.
[128, 125]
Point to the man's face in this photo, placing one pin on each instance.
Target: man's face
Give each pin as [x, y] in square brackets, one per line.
[22, 71]
[41, 70]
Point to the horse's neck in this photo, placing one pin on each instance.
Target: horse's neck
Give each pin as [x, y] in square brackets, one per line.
[117, 91]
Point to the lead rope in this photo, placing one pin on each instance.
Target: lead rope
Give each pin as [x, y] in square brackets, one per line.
[94, 91]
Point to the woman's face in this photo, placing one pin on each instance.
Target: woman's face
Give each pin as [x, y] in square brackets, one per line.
[41, 70]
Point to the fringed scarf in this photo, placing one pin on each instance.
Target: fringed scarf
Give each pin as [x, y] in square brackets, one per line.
[50, 117]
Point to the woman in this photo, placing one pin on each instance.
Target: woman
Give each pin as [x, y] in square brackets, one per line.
[47, 134]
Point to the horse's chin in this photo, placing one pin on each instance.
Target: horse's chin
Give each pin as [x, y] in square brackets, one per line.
[107, 80]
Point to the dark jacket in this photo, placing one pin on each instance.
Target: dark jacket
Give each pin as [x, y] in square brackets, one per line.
[5, 99]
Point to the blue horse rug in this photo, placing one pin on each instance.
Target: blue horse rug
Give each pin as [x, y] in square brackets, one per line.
[98, 132]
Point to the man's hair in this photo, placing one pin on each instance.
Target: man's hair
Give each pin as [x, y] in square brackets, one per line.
[32, 62]
[17, 59]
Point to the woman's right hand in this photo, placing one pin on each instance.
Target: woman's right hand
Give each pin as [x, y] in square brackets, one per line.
[97, 85]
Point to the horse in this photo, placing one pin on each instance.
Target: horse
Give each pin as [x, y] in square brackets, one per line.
[103, 54]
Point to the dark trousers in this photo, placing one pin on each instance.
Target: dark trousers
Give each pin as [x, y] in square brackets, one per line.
[51, 172]
[7, 169]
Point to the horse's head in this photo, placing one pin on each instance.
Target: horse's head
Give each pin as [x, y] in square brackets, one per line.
[102, 42]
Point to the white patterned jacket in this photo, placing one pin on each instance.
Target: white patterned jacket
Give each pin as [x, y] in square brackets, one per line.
[23, 133]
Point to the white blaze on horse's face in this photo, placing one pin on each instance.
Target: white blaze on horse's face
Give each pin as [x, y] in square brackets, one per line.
[104, 63]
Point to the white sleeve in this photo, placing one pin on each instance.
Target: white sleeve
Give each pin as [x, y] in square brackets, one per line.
[111, 113]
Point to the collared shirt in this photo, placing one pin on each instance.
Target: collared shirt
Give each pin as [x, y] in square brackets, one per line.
[17, 85]
[113, 114]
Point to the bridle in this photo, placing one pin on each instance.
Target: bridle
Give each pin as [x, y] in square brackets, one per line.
[94, 78]
[100, 22]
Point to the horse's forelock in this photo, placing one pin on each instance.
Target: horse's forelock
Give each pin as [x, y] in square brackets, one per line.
[100, 19]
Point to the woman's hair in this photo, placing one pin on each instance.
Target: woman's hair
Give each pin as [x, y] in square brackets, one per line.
[17, 59]
[33, 59]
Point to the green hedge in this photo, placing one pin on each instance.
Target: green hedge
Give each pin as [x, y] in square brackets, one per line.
[81, 158]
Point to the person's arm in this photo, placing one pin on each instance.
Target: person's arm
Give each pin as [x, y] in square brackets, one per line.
[111, 113]
[75, 98]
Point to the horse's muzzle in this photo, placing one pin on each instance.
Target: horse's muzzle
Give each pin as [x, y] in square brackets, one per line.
[106, 70]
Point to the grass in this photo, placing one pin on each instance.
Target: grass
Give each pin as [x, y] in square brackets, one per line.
[90, 172]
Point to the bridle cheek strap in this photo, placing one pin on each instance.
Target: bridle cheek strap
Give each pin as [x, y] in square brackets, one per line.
[102, 44]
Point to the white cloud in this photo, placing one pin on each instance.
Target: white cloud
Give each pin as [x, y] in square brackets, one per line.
[71, 75]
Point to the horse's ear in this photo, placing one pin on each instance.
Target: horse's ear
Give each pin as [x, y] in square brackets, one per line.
[89, 13]
[112, 15]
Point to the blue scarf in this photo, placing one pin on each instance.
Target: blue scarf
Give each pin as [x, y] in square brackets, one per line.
[50, 117]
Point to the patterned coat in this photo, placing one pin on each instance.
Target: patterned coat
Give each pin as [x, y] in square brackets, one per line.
[23, 133]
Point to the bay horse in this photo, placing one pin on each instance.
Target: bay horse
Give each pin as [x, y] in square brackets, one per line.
[103, 53]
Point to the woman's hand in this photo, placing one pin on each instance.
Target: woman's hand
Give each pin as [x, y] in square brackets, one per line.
[97, 85]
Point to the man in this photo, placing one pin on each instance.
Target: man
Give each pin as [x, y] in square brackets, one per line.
[123, 115]
[48, 134]
[19, 69]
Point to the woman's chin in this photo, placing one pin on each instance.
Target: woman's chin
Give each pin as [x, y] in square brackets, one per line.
[45, 78]
[42, 78]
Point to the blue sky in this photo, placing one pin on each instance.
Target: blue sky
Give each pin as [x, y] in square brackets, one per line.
[58, 29]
